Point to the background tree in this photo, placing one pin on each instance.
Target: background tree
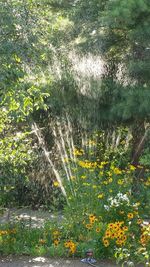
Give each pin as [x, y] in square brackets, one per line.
[69, 68]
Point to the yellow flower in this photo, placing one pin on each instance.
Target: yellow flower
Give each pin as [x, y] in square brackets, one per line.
[98, 230]
[94, 186]
[67, 244]
[92, 217]
[4, 232]
[104, 238]
[71, 245]
[119, 224]
[110, 225]
[87, 164]
[110, 180]
[125, 228]
[120, 182]
[100, 166]
[132, 168]
[88, 226]
[107, 234]
[100, 196]
[120, 233]
[83, 176]
[118, 241]
[56, 242]
[72, 249]
[56, 233]
[113, 235]
[77, 152]
[117, 171]
[130, 215]
[103, 163]
[139, 221]
[66, 160]
[147, 183]
[106, 243]
[145, 236]
[56, 184]
[124, 238]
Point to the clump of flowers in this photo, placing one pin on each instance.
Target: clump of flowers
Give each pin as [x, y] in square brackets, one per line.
[145, 236]
[78, 152]
[120, 199]
[71, 246]
[7, 232]
[91, 220]
[56, 237]
[116, 232]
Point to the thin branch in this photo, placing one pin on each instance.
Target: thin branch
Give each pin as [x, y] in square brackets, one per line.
[38, 134]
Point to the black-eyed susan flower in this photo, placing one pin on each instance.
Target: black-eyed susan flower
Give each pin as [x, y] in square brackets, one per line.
[130, 215]
[71, 245]
[106, 243]
[56, 242]
[139, 221]
[88, 226]
[125, 228]
[98, 230]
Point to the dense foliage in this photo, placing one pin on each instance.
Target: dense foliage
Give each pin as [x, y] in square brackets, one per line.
[70, 69]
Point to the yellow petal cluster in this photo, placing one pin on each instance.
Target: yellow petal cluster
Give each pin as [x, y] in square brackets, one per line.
[71, 246]
[145, 236]
[115, 231]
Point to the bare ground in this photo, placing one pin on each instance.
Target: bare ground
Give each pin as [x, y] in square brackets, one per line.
[45, 262]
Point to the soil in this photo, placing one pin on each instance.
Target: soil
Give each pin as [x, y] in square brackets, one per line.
[45, 262]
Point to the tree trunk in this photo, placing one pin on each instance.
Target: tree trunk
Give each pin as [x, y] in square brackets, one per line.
[139, 133]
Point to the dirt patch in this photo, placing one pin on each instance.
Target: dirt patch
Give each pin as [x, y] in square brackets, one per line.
[45, 262]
